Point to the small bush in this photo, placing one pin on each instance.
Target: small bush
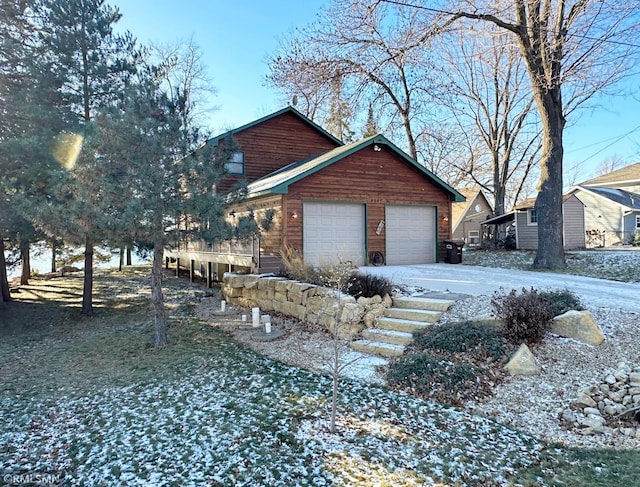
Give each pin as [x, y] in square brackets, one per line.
[635, 239]
[562, 301]
[526, 315]
[367, 286]
[425, 374]
[481, 341]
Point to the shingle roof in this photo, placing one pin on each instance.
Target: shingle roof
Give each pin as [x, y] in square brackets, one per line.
[278, 181]
[620, 196]
[627, 173]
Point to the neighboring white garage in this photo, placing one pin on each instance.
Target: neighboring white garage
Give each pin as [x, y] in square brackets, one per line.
[333, 232]
[410, 234]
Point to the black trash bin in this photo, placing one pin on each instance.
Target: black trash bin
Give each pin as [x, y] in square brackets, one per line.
[453, 251]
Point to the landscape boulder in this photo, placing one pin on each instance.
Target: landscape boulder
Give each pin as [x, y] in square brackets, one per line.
[578, 325]
[523, 362]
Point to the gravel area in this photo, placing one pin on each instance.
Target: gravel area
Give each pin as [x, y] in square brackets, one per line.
[534, 404]
[531, 404]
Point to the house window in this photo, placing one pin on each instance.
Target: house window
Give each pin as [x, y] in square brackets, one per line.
[637, 222]
[236, 164]
[533, 216]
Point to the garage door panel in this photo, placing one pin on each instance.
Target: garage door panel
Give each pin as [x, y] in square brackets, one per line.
[410, 234]
[333, 232]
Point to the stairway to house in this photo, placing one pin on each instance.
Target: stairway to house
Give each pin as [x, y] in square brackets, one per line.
[394, 330]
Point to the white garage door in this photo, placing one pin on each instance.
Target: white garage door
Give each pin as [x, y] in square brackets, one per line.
[410, 234]
[333, 232]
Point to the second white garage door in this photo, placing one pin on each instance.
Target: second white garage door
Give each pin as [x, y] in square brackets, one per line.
[410, 234]
[333, 232]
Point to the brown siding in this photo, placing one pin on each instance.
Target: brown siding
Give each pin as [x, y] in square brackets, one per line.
[275, 143]
[271, 238]
[372, 178]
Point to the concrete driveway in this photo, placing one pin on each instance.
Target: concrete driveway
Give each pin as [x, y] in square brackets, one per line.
[474, 280]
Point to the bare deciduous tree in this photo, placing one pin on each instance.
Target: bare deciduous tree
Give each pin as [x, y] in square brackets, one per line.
[572, 49]
[493, 108]
[380, 56]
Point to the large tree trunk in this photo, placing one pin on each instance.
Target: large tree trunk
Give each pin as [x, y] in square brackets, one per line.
[121, 259]
[550, 254]
[87, 290]
[128, 254]
[159, 314]
[4, 283]
[25, 274]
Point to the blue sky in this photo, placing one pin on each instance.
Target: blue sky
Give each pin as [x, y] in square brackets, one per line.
[236, 37]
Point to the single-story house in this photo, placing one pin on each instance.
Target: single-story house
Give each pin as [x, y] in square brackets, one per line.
[524, 221]
[469, 215]
[612, 206]
[366, 203]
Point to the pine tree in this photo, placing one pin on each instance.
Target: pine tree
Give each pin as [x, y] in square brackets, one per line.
[145, 141]
[92, 66]
[371, 127]
[29, 117]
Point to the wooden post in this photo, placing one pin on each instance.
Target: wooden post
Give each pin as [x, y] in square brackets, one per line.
[177, 266]
[166, 263]
[192, 264]
[209, 270]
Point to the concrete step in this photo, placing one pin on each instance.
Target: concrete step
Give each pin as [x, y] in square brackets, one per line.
[413, 314]
[397, 324]
[431, 304]
[388, 336]
[377, 348]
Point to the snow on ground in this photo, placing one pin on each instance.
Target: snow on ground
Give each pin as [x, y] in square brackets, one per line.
[262, 424]
[476, 280]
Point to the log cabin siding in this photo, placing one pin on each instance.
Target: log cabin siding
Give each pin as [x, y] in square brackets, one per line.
[275, 143]
[374, 179]
[271, 237]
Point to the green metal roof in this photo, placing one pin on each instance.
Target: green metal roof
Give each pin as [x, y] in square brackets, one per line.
[289, 109]
[278, 182]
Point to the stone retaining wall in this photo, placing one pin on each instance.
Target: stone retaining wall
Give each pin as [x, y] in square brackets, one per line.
[306, 302]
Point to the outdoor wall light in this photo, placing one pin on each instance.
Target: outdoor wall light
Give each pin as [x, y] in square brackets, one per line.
[444, 219]
[293, 214]
[377, 148]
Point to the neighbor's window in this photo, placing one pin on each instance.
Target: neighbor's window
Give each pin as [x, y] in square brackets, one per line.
[533, 216]
[236, 164]
[637, 222]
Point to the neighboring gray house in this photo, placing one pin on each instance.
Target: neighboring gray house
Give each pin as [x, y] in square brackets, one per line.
[525, 222]
[612, 206]
[469, 215]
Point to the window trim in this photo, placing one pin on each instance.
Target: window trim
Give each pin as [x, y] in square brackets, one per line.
[532, 217]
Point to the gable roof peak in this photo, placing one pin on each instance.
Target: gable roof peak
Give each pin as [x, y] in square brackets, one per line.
[282, 111]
